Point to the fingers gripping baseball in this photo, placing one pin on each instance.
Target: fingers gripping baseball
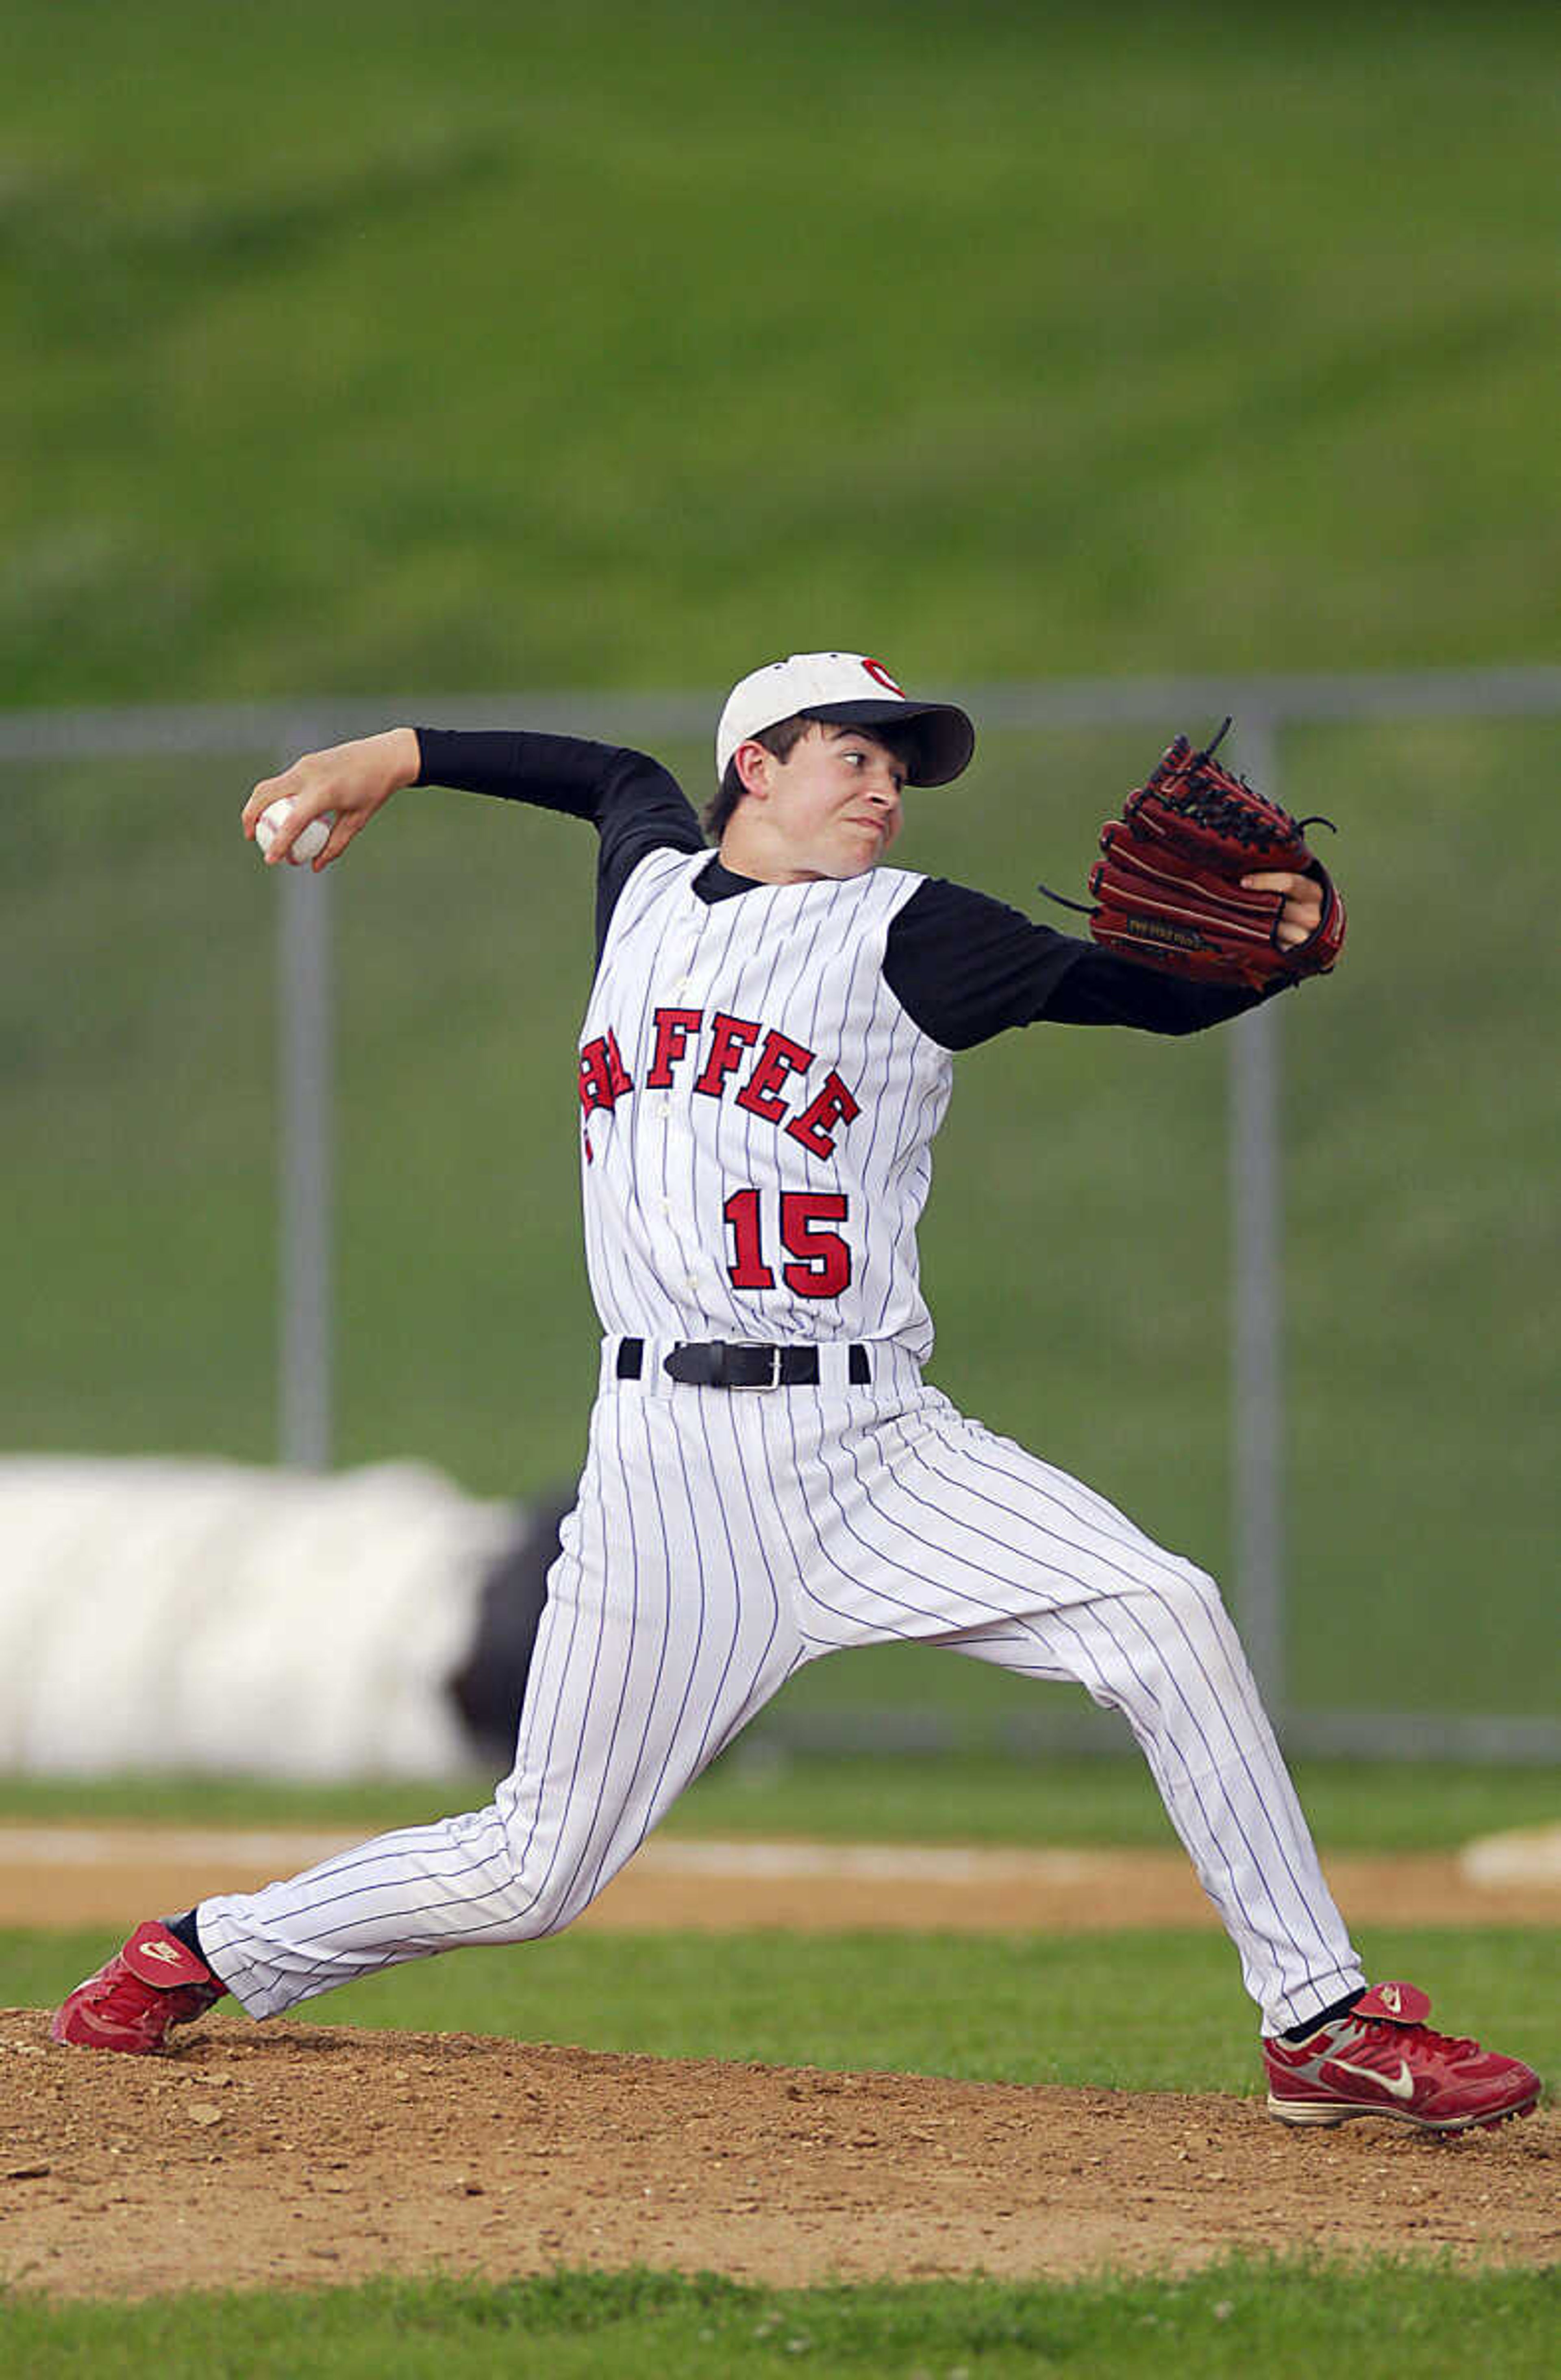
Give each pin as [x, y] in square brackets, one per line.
[340, 788]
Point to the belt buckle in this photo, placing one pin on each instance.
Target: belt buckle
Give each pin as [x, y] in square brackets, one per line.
[774, 1352]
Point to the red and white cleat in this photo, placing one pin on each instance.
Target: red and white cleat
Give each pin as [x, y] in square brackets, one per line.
[135, 2001]
[1383, 2059]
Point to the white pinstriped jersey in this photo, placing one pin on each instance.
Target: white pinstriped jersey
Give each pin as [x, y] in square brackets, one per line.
[758, 1111]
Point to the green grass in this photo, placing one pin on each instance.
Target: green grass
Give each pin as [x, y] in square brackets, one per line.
[952, 1799]
[492, 346]
[1140, 2011]
[1379, 2321]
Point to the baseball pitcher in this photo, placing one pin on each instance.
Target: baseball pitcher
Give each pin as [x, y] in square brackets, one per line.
[764, 1063]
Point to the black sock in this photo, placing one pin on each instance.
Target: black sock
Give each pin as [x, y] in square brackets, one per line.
[185, 1930]
[1325, 2016]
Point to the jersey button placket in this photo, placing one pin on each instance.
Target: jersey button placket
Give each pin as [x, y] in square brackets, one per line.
[679, 1150]
[677, 1135]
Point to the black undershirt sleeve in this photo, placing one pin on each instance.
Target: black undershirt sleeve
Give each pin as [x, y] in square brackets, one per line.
[966, 967]
[635, 804]
[963, 965]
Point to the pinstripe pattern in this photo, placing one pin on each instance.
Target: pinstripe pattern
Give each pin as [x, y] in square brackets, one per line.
[703, 1566]
[721, 1540]
[805, 960]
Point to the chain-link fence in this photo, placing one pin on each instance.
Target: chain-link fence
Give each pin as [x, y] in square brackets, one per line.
[292, 1168]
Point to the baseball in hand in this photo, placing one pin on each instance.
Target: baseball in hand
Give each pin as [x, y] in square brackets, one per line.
[311, 843]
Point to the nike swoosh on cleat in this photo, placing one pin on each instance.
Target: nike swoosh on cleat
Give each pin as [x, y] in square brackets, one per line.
[1398, 2086]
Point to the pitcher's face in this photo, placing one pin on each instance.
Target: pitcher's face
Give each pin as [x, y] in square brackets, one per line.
[831, 811]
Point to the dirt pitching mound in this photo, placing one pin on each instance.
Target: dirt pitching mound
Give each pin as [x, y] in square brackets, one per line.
[289, 2154]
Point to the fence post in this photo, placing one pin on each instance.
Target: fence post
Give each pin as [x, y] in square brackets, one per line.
[305, 1190]
[1257, 1308]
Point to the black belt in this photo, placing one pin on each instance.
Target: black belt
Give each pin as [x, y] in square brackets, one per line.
[737, 1364]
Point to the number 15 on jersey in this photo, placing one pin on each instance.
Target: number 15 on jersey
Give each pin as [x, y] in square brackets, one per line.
[794, 1224]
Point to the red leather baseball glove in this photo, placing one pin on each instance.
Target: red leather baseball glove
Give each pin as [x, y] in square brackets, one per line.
[1168, 889]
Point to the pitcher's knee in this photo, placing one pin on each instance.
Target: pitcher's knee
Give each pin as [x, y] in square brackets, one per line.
[558, 1900]
[534, 1900]
[1194, 1595]
[519, 1888]
[1192, 1622]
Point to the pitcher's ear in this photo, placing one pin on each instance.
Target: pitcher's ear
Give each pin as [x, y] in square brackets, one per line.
[753, 764]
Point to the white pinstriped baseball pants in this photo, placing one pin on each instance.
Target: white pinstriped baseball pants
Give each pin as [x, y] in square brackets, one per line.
[722, 1539]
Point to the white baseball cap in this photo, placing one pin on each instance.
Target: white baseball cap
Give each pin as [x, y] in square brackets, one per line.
[850, 690]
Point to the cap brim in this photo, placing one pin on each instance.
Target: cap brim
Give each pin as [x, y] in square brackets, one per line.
[943, 742]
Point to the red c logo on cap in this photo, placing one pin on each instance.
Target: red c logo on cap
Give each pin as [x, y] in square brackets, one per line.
[876, 670]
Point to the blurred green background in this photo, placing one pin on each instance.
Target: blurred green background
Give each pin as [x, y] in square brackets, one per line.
[394, 351]
[503, 345]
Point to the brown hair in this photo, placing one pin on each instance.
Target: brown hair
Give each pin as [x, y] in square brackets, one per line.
[782, 739]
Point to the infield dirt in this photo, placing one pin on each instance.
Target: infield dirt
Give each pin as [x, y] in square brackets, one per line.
[293, 2153]
[296, 2154]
